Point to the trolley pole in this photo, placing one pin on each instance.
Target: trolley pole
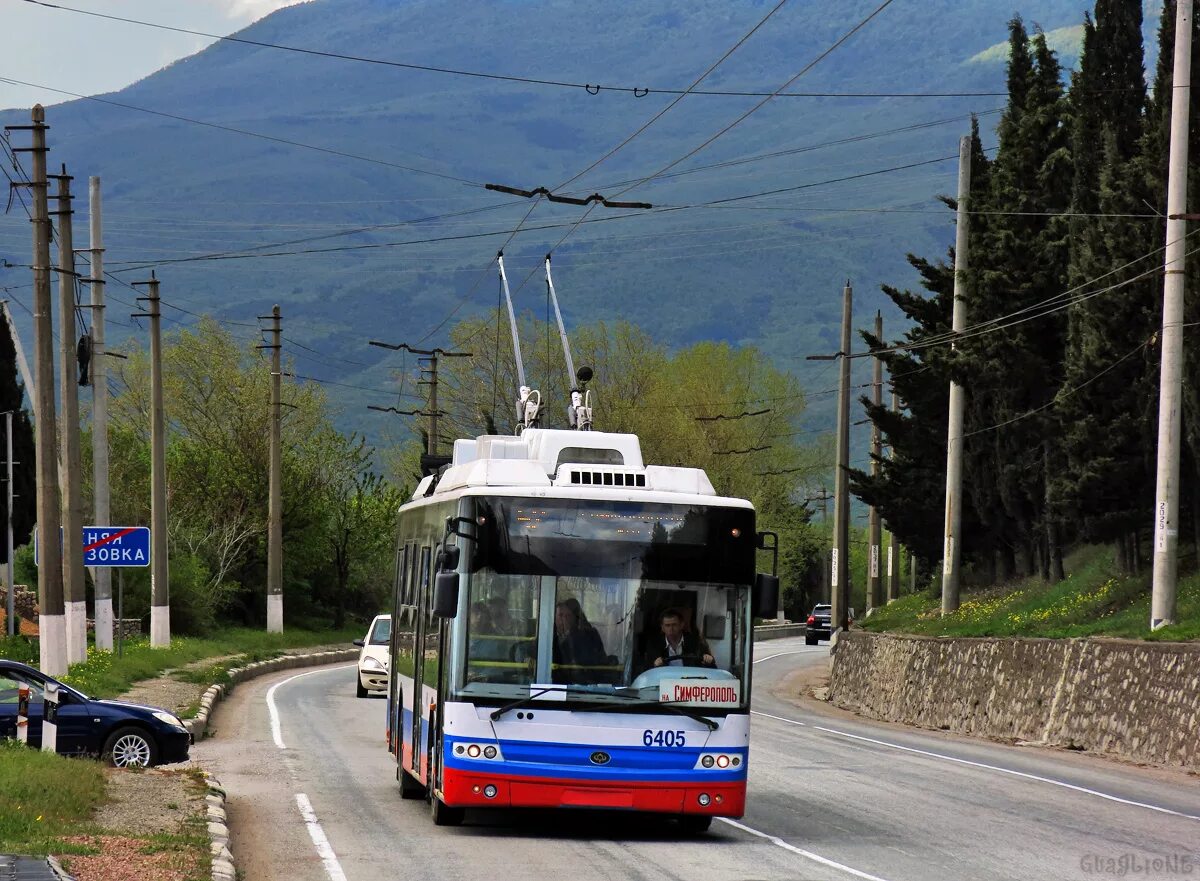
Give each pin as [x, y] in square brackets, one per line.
[101, 575]
[51, 626]
[952, 547]
[1170, 400]
[70, 466]
[160, 594]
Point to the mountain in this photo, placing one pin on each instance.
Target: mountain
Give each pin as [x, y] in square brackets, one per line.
[767, 271]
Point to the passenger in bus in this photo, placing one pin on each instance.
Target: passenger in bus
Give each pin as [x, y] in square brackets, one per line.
[577, 645]
[678, 647]
[483, 644]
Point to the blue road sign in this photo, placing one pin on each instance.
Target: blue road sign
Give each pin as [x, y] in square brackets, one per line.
[111, 546]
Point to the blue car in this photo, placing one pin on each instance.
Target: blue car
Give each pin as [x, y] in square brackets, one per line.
[124, 734]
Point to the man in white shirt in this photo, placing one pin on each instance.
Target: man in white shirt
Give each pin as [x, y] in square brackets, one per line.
[678, 648]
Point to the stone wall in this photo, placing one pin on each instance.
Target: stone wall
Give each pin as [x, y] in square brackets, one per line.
[1137, 700]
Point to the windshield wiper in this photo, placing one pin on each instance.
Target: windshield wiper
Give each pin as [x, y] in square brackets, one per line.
[565, 689]
[666, 705]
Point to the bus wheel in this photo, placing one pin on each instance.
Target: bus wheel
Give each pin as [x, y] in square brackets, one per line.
[443, 815]
[694, 824]
[410, 787]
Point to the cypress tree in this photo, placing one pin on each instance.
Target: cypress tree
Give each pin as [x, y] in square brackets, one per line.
[1108, 385]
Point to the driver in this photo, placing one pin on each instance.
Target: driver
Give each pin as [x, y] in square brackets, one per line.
[678, 648]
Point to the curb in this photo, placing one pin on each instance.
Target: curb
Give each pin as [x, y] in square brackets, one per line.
[57, 870]
[223, 868]
[198, 725]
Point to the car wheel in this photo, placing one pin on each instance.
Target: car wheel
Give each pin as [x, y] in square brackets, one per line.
[811, 640]
[361, 692]
[444, 815]
[695, 824]
[130, 748]
[410, 787]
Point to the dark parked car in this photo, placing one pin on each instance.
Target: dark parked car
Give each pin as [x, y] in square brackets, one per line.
[125, 734]
[817, 626]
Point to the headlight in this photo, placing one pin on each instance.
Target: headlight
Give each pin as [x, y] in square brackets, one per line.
[169, 719]
[370, 663]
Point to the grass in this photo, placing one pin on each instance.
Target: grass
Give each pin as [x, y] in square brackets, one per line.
[1094, 600]
[43, 798]
[106, 675]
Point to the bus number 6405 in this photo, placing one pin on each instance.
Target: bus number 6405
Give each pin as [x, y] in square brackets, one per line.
[664, 738]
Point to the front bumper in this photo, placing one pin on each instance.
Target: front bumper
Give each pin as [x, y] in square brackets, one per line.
[373, 680]
[173, 747]
[462, 789]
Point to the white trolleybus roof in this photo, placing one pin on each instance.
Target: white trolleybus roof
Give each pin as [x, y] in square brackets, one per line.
[565, 463]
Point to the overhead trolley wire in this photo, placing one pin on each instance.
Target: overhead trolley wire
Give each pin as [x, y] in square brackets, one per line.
[252, 134]
[591, 88]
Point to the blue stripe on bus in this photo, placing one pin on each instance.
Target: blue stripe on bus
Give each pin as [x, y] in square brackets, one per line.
[573, 761]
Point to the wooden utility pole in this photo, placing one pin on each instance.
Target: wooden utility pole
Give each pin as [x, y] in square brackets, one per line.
[70, 466]
[432, 445]
[952, 547]
[52, 645]
[1170, 386]
[874, 528]
[275, 504]
[101, 575]
[893, 554]
[839, 590]
[160, 593]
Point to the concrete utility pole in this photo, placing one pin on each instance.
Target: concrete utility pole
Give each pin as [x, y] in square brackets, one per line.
[51, 626]
[10, 608]
[893, 554]
[839, 590]
[1170, 400]
[952, 547]
[874, 529]
[275, 506]
[160, 594]
[431, 355]
[70, 466]
[101, 575]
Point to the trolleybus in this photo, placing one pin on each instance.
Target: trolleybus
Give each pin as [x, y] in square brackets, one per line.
[534, 574]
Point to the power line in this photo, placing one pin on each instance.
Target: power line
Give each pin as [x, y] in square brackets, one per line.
[252, 134]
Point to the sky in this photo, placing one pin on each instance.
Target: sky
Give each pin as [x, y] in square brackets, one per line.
[81, 53]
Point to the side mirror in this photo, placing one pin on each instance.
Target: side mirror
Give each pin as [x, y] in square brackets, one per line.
[445, 594]
[448, 559]
[359, 643]
[764, 602]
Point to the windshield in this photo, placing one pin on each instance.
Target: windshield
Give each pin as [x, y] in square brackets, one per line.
[381, 633]
[615, 600]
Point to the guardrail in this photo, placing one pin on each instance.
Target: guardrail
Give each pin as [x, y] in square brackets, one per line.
[778, 631]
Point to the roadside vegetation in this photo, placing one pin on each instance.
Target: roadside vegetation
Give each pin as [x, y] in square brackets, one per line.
[98, 820]
[106, 675]
[1095, 599]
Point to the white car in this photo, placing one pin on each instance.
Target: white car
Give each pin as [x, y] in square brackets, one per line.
[373, 659]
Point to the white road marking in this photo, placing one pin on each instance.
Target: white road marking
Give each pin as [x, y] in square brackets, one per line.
[808, 651]
[807, 854]
[276, 730]
[1023, 774]
[328, 858]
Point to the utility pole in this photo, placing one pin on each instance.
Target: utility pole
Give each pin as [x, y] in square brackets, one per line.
[431, 355]
[952, 547]
[10, 608]
[160, 609]
[101, 575]
[1170, 400]
[275, 505]
[70, 465]
[839, 589]
[51, 626]
[874, 529]
[893, 554]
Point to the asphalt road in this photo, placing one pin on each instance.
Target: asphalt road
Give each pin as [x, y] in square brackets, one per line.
[830, 797]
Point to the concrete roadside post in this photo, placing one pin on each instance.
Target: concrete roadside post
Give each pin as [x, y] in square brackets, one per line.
[50, 718]
[23, 714]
